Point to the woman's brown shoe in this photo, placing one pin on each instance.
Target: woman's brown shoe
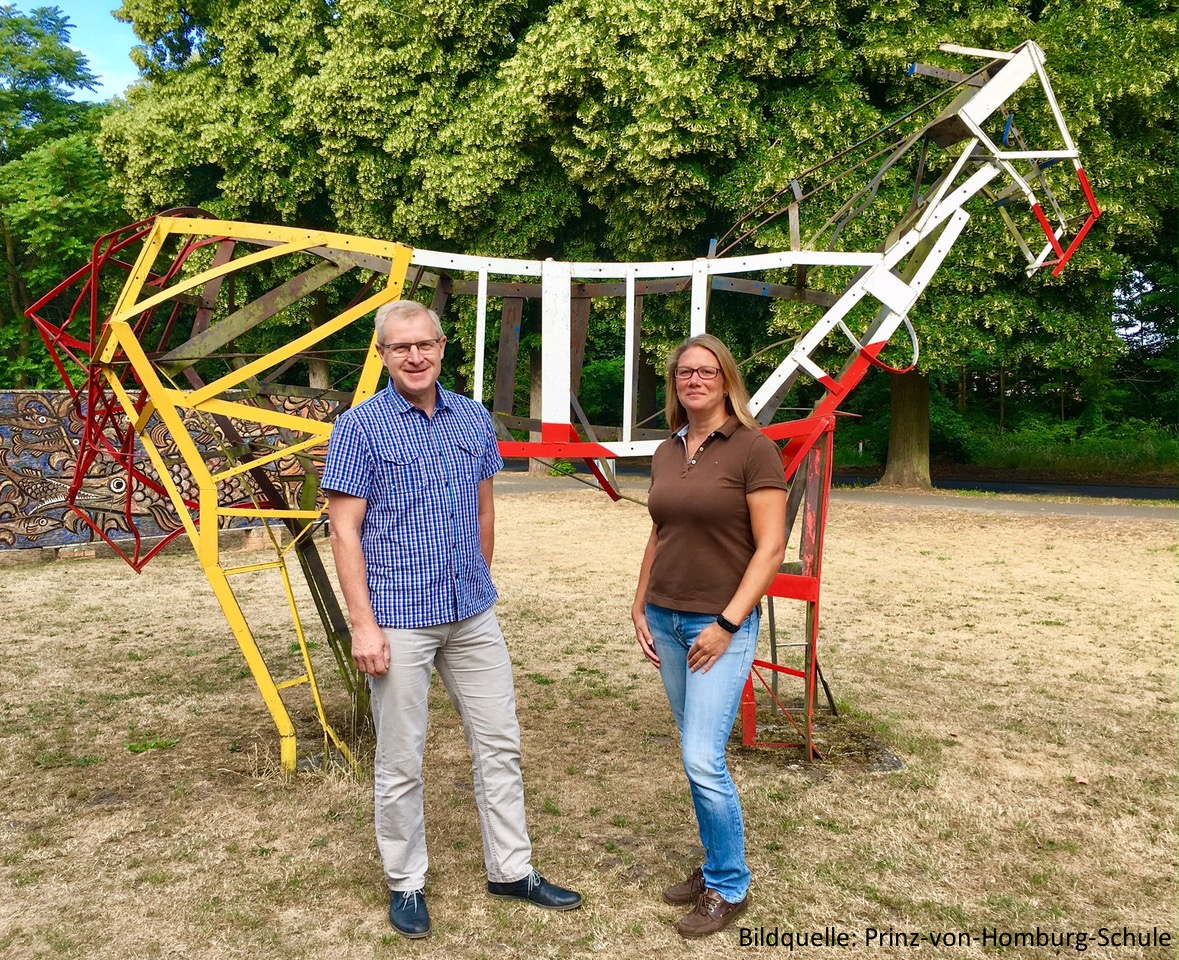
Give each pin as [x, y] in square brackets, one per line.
[711, 914]
[687, 892]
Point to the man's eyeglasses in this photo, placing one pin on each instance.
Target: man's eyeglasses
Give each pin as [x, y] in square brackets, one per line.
[705, 373]
[402, 349]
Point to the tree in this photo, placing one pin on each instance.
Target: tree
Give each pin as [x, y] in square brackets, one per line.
[54, 202]
[38, 71]
[587, 129]
[54, 198]
[1114, 71]
[1148, 314]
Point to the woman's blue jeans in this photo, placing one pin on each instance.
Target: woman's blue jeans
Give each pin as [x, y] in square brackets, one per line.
[705, 706]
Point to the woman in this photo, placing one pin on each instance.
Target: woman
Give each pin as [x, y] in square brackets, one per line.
[718, 506]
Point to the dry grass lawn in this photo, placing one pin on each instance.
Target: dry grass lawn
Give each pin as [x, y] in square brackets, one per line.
[1024, 667]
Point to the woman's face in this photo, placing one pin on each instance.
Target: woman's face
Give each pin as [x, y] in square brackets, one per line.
[703, 399]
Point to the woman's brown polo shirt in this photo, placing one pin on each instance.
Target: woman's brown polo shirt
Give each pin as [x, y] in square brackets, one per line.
[705, 540]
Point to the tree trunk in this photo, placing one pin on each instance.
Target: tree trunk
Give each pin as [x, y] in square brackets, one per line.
[1002, 399]
[535, 467]
[13, 275]
[646, 379]
[319, 376]
[908, 435]
[22, 352]
[646, 395]
[19, 297]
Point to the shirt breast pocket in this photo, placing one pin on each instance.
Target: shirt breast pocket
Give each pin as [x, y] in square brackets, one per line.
[403, 473]
[468, 461]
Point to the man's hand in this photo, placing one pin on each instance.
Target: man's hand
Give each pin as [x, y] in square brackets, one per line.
[370, 650]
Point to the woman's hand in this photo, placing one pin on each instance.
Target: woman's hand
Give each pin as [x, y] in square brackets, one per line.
[710, 644]
[638, 613]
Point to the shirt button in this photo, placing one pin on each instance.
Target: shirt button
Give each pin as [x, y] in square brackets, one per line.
[691, 461]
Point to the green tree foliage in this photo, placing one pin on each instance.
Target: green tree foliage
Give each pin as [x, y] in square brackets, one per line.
[622, 129]
[38, 71]
[1147, 375]
[216, 123]
[54, 194]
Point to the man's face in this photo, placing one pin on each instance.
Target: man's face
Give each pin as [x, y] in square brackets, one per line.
[414, 372]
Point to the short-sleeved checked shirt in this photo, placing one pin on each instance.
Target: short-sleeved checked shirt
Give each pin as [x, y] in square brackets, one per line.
[420, 476]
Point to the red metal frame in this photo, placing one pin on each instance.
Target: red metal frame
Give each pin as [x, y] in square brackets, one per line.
[811, 442]
[562, 440]
[1064, 256]
[107, 432]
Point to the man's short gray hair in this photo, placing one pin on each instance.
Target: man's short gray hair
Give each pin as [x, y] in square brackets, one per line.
[403, 310]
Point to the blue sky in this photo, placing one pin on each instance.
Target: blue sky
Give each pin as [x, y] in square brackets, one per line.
[106, 42]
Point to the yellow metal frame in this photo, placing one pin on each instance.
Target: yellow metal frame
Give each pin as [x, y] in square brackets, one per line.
[119, 347]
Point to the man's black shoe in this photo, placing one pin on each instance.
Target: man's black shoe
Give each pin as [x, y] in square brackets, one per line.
[536, 889]
[408, 913]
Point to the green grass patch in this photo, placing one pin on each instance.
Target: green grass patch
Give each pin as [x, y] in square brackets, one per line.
[150, 742]
[1150, 450]
[52, 759]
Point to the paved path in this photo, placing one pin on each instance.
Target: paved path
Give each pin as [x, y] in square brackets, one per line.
[510, 482]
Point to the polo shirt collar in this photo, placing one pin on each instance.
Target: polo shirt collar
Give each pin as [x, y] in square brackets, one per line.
[726, 429]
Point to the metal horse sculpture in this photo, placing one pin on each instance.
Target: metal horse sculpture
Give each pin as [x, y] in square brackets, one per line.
[217, 328]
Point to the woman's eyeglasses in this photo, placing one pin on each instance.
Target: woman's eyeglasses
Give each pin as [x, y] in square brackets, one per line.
[704, 373]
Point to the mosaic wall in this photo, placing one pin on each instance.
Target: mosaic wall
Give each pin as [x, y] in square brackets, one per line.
[39, 435]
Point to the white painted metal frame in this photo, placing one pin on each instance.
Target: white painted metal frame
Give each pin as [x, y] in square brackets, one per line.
[882, 274]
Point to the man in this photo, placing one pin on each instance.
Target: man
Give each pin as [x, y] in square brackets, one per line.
[409, 480]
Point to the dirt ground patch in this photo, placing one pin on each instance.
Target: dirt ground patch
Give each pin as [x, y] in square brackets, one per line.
[1023, 669]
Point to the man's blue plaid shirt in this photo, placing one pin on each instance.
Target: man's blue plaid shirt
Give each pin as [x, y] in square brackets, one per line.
[420, 476]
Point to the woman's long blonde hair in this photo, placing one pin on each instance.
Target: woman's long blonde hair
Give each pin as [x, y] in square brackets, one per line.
[736, 395]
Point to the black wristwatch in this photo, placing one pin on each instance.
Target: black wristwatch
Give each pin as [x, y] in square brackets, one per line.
[727, 625]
